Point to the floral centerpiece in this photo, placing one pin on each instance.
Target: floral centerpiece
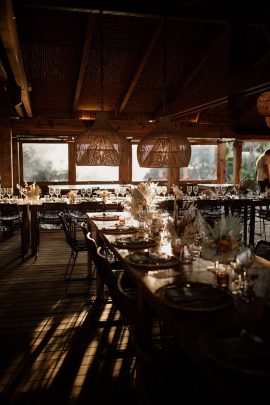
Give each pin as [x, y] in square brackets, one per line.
[142, 202]
[223, 240]
[31, 191]
[104, 195]
[187, 227]
[72, 195]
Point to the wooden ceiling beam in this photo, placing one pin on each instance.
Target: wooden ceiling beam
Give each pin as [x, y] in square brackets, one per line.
[11, 44]
[250, 82]
[71, 127]
[84, 59]
[139, 69]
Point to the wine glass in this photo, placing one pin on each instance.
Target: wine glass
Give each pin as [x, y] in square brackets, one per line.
[9, 192]
[3, 192]
[57, 192]
[196, 189]
[117, 191]
[244, 260]
[89, 192]
[189, 190]
[83, 192]
[51, 191]
[164, 190]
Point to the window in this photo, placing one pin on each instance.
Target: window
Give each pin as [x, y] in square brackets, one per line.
[144, 173]
[45, 162]
[97, 173]
[202, 165]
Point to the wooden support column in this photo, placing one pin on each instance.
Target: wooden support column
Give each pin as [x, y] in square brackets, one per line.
[72, 164]
[173, 177]
[237, 162]
[221, 162]
[6, 168]
[16, 166]
[125, 168]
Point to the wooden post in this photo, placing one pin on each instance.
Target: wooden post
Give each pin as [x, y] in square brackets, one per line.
[125, 164]
[221, 162]
[237, 162]
[72, 165]
[173, 177]
[6, 168]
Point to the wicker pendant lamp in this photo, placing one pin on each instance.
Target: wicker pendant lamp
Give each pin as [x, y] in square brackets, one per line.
[263, 104]
[267, 121]
[102, 144]
[164, 146]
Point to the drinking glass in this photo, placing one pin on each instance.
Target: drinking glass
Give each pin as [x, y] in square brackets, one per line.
[164, 190]
[89, 192]
[83, 192]
[57, 192]
[9, 192]
[3, 192]
[196, 189]
[117, 191]
[189, 190]
[51, 191]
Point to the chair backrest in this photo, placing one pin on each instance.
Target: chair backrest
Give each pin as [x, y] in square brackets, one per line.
[54, 207]
[69, 228]
[9, 210]
[262, 249]
[91, 206]
[123, 302]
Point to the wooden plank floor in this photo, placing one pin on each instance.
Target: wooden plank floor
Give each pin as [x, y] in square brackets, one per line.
[52, 349]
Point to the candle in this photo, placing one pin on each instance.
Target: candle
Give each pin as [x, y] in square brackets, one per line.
[122, 220]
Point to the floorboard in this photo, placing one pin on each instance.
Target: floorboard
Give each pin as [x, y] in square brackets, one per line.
[52, 346]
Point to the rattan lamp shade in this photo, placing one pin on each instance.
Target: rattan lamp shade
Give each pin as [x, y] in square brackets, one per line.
[267, 121]
[164, 146]
[100, 146]
[263, 104]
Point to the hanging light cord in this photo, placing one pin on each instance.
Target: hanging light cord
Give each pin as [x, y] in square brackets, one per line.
[101, 61]
[164, 51]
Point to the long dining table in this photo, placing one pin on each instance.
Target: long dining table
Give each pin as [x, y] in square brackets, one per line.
[191, 325]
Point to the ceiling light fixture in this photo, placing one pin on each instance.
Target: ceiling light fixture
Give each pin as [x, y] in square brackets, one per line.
[263, 104]
[101, 145]
[164, 146]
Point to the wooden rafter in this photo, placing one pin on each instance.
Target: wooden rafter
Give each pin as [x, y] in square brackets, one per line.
[249, 82]
[85, 54]
[11, 44]
[140, 67]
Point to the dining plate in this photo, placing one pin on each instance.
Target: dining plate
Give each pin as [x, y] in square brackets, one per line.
[119, 229]
[105, 217]
[194, 296]
[131, 242]
[151, 260]
[238, 349]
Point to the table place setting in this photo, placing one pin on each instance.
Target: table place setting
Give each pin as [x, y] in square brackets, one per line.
[105, 217]
[119, 229]
[238, 348]
[194, 296]
[148, 259]
[135, 242]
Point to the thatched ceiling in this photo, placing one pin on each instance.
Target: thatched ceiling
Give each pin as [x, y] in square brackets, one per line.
[217, 61]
